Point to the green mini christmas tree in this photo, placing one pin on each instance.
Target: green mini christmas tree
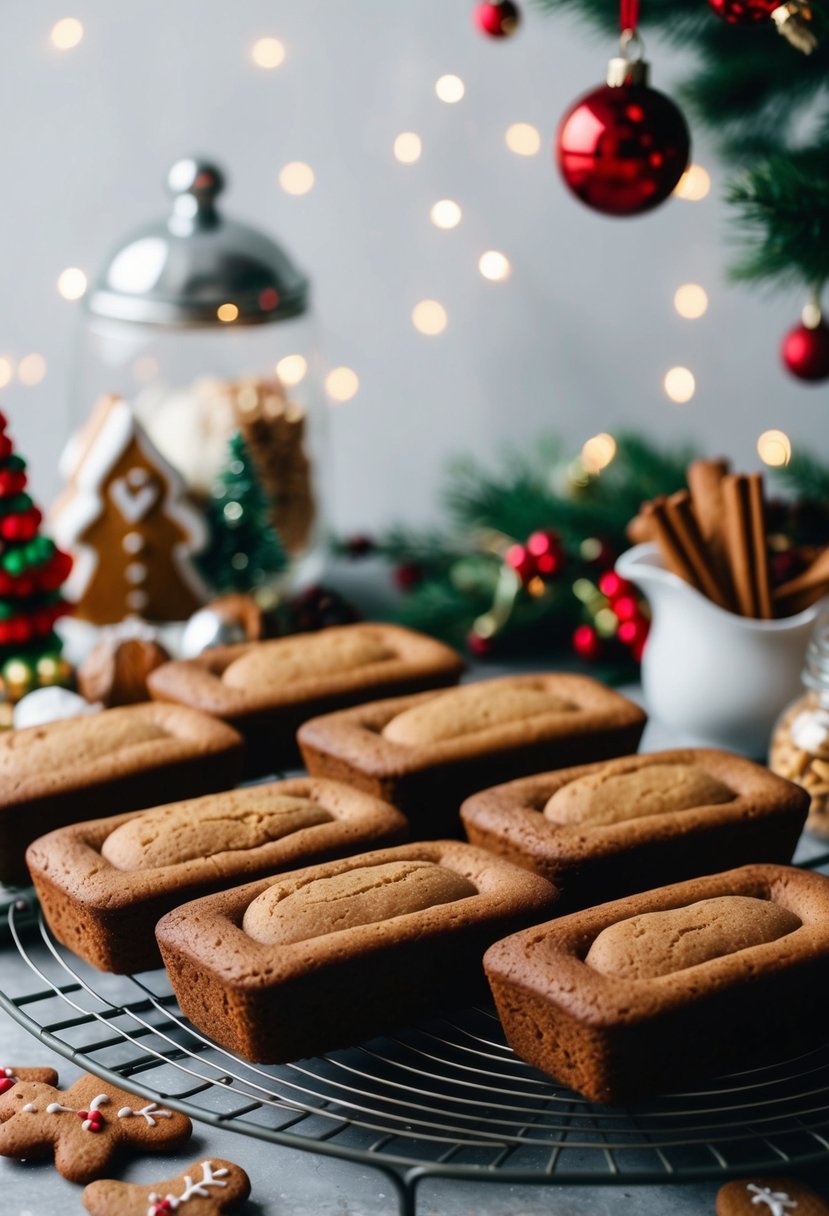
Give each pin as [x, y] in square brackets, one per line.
[244, 551]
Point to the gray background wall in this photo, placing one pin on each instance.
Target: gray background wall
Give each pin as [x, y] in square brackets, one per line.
[576, 341]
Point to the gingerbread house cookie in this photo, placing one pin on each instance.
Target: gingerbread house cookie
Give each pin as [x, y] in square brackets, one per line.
[125, 519]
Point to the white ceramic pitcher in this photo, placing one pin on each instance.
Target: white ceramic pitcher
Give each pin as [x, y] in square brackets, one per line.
[717, 678]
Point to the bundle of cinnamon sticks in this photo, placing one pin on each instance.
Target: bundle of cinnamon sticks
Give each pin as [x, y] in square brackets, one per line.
[714, 536]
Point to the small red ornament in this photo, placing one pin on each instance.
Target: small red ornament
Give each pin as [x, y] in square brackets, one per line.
[479, 646]
[408, 575]
[522, 562]
[546, 549]
[5, 1083]
[805, 349]
[587, 643]
[744, 12]
[623, 147]
[497, 18]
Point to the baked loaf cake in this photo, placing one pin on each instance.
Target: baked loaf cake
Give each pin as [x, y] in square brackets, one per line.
[328, 956]
[606, 830]
[426, 753]
[267, 689]
[105, 763]
[104, 884]
[645, 994]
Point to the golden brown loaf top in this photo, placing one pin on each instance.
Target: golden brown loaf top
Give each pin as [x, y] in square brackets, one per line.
[185, 831]
[473, 708]
[661, 943]
[611, 796]
[367, 895]
[307, 657]
[73, 742]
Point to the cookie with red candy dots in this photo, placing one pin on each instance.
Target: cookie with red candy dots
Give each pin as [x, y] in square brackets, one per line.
[11, 1074]
[84, 1126]
[208, 1187]
[770, 1196]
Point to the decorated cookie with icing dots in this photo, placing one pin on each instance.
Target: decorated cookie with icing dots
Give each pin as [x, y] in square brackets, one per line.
[85, 1125]
[10, 1075]
[769, 1196]
[205, 1188]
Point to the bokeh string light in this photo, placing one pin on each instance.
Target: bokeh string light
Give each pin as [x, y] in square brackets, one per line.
[429, 317]
[450, 88]
[691, 301]
[523, 139]
[291, 369]
[774, 448]
[267, 53]
[72, 283]
[446, 213]
[494, 266]
[296, 177]
[342, 384]
[66, 33]
[694, 185]
[407, 147]
[679, 384]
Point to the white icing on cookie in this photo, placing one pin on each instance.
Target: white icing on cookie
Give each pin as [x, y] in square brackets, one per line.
[150, 1112]
[777, 1202]
[192, 1189]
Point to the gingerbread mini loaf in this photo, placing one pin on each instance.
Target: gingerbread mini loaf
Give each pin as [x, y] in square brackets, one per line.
[104, 884]
[605, 830]
[267, 689]
[328, 956]
[103, 764]
[644, 994]
[426, 753]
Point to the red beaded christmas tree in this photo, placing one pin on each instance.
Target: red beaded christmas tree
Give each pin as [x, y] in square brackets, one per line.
[32, 571]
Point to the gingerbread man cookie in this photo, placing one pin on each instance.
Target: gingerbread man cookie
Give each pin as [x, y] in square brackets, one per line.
[769, 1196]
[205, 1188]
[84, 1125]
[9, 1076]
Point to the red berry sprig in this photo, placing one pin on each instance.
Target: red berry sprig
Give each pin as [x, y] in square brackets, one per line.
[541, 556]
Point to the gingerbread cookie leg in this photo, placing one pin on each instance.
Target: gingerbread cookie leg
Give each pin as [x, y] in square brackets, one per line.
[769, 1196]
[207, 1187]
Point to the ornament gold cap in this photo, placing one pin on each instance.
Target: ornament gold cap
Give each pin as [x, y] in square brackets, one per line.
[621, 72]
[793, 20]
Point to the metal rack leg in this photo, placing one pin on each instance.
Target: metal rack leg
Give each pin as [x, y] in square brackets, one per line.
[406, 1187]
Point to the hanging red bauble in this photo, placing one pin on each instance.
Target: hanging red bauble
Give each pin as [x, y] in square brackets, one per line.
[497, 18]
[744, 12]
[805, 349]
[623, 147]
[547, 550]
[522, 562]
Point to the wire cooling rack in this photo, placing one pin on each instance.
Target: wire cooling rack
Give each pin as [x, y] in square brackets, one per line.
[446, 1098]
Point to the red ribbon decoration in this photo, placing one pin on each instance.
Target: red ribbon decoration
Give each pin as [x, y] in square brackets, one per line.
[629, 15]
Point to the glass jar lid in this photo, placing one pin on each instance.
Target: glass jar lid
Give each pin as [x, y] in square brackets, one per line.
[196, 267]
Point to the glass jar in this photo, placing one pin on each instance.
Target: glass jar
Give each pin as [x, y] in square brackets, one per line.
[800, 740]
[202, 324]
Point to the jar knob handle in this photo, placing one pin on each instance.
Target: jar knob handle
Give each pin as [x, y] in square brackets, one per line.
[195, 183]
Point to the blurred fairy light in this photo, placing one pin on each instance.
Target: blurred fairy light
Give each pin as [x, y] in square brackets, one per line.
[445, 213]
[6, 370]
[597, 452]
[227, 312]
[66, 33]
[429, 317]
[694, 185]
[494, 266]
[267, 53]
[691, 301]
[72, 283]
[774, 448]
[342, 383]
[450, 88]
[296, 177]
[291, 369]
[679, 384]
[31, 369]
[523, 139]
[407, 147]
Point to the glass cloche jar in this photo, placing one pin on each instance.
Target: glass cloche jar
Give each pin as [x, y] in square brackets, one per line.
[800, 740]
[202, 324]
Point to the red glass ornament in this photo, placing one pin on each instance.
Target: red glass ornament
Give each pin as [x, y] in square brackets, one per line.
[634, 631]
[744, 12]
[611, 584]
[805, 351]
[587, 643]
[622, 149]
[4, 422]
[497, 18]
[625, 607]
